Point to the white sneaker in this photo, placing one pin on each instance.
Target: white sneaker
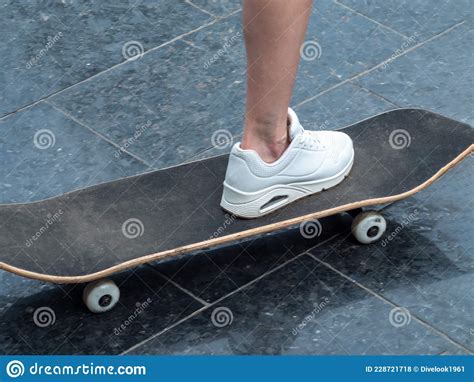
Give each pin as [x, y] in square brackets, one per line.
[314, 161]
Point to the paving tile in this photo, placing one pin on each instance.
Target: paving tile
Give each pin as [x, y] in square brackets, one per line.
[332, 110]
[302, 308]
[218, 7]
[425, 262]
[180, 103]
[214, 151]
[347, 44]
[410, 17]
[436, 76]
[213, 274]
[76, 330]
[44, 153]
[189, 92]
[340, 107]
[222, 50]
[71, 41]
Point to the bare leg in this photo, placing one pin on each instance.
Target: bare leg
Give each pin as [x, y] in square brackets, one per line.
[274, 31]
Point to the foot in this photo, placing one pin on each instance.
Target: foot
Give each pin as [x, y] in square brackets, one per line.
[314, 161]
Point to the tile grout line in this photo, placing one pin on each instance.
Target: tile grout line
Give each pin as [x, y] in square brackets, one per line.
[174, 39]
[179, 322]
[375, 94]
[213, 303]
[205, 25]
[369, 18]
[109, 141]
[201, 9]
[192, 44]
[387, 301]
[207, 149]
[274, 269]
[361, 74]
[175, 284]
[204, 308]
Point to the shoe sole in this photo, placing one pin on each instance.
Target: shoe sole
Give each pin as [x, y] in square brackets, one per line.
[257, 204]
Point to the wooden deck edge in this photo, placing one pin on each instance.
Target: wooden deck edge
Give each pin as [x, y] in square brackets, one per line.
[236, 236]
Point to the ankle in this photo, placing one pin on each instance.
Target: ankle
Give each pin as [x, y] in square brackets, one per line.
[268, 148]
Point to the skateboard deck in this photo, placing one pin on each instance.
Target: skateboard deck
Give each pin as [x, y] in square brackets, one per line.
[93, 232]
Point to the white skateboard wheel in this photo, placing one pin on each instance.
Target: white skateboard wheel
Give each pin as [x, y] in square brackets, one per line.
[368, 227]
[101, 295]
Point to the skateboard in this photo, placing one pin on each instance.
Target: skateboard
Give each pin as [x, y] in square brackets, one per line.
[89, 234]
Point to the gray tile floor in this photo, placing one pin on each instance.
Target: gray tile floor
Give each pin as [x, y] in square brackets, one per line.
[72, 101]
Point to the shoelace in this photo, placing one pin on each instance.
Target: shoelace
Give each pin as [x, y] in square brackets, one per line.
[309, 140]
